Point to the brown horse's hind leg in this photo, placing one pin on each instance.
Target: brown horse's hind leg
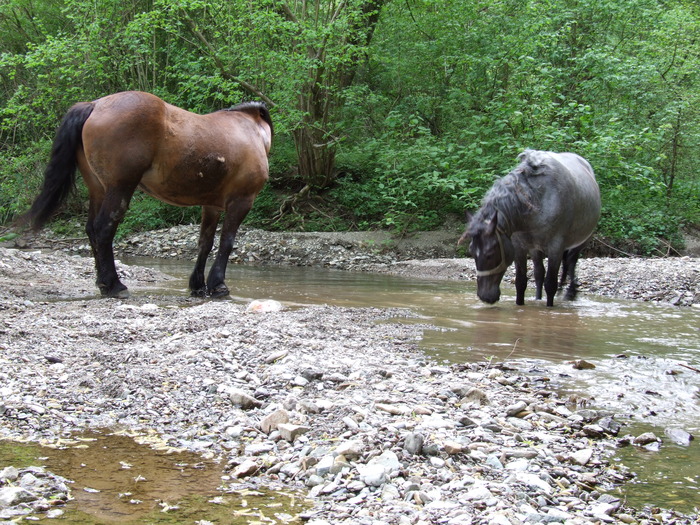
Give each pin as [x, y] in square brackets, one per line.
[103, 220]
[235, 213]
[207, 229]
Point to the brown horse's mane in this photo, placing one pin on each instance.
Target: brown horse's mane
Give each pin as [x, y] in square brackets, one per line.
[256, 109]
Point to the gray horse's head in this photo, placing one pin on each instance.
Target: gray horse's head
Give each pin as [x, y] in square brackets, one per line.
[493, 253]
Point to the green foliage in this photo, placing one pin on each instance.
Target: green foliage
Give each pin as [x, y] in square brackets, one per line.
[397, 113]
[640, 226]
[146, 213]
[265, 208]
[20, 181]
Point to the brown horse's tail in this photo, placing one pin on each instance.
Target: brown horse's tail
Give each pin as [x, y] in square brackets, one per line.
[59, 177]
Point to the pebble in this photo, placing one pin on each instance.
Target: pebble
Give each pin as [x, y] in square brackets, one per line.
[645, 439]
[679, 436]
[273, 420]
[413, 443]
[582, 457]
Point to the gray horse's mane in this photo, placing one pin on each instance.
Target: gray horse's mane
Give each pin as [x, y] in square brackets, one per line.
[512, 195]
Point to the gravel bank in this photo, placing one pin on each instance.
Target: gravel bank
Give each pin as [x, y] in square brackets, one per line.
[282, 399]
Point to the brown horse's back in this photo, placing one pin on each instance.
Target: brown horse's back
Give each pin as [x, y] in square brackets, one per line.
[137, 139]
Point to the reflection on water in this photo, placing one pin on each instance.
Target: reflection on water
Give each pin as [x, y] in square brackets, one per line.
[116, 480]
[637, 348]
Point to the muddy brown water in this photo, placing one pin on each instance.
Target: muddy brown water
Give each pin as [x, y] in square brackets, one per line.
[638, 350]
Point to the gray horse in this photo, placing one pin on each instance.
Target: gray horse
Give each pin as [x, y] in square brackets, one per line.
[548, 206]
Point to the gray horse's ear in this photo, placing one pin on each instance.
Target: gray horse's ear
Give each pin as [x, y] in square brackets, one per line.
[491, 224]
[468, 216]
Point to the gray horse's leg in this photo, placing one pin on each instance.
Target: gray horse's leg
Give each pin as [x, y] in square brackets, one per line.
[538, 271]
[520, 277]
[550, 281]
[564, 269]
[569, 266]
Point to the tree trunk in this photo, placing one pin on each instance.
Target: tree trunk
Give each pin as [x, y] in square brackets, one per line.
[316, 156]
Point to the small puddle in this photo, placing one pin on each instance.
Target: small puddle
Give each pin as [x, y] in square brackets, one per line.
[118, 480]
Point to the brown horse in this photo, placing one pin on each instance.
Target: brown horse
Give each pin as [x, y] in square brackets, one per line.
[135, 140]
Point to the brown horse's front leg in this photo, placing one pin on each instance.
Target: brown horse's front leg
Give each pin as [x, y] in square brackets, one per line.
[235, 213]
[207, 230]
[520, 278]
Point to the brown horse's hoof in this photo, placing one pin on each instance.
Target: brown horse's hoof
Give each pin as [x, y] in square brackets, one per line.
[118, 292]
[220, 291]
[121, 294]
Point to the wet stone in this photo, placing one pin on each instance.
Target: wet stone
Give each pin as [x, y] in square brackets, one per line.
[645, 439]
[679, 436]
[610, 426]
[245, 469]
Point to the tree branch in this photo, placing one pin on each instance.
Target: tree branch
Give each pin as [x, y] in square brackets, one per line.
[220, 65]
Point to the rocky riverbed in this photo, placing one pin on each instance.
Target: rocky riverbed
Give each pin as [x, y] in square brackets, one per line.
[337, 402]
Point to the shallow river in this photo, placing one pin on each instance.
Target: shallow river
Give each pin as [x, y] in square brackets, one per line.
[638, 350]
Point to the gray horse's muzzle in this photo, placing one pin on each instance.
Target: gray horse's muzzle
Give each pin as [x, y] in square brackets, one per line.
[489, 292]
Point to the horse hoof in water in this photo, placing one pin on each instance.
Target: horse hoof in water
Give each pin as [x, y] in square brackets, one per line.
[202, 292]
[220, 291]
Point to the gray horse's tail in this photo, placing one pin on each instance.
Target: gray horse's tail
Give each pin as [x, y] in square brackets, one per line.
[59, 176]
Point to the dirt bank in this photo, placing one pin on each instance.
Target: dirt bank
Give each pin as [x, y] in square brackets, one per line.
[339, 402]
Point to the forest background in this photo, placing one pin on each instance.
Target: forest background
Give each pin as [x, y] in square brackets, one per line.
[393, 114]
